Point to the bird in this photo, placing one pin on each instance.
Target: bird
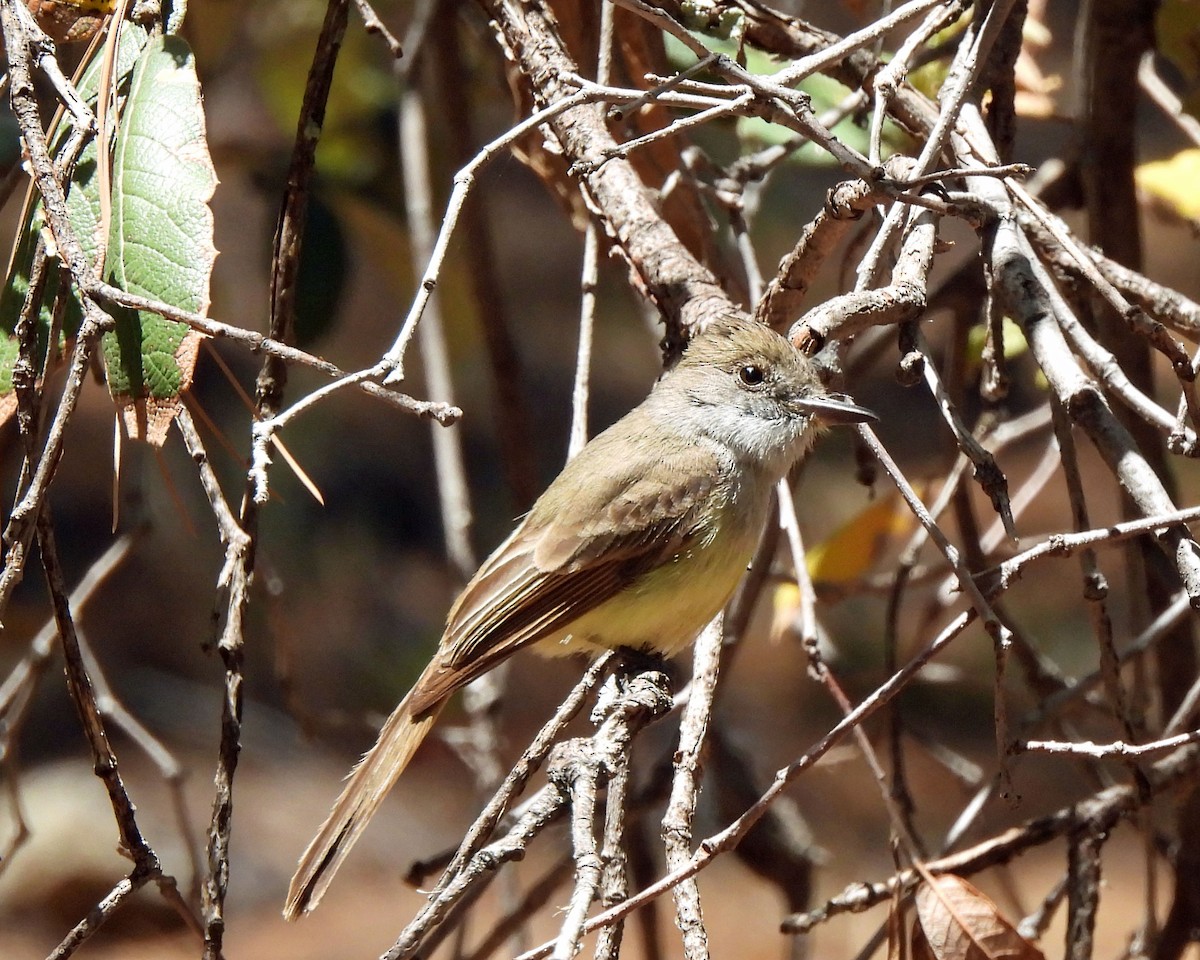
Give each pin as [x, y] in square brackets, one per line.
[637, 544]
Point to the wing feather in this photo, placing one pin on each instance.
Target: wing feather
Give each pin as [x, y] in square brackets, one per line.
[567, 559]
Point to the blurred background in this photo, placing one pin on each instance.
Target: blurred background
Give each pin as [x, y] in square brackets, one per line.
[350, 596]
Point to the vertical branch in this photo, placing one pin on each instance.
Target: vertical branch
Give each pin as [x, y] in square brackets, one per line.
[1000, 78]
[587, 323]
[1095, 583]
[447, 452]
[26, 46]
[615, 882]
[1083, 891]
[1118, 35]
[510, 411]
[237, 573]
[25, 368]
[590, 278]
[681, 807]
[580, 780]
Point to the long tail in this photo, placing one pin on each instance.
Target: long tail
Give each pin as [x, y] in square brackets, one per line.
[367, 785]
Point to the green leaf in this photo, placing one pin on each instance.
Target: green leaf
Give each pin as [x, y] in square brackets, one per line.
[160, 241]
[825, 94]
[83, 206]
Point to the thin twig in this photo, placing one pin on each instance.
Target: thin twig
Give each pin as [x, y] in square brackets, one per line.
[146, 865]
[453, 496]
[375, 25]
[725, 840]
[26, 46]
[1101, 810]
[235, 577]
[642, 699]
[1116, 750]
[464, 180]
[677, 823]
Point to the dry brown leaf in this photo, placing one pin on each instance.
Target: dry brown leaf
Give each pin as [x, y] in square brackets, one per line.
[70, 21]
[955, 921]
[150, 418]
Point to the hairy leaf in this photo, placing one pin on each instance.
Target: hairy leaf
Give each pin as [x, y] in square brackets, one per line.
[160, 241]
[83, 206]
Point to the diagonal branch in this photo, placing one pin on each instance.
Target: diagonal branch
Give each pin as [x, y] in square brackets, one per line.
[687, 294]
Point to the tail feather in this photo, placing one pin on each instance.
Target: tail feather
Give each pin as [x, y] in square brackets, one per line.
[367, 785]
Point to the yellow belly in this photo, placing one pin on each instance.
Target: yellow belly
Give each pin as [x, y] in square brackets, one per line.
[665, 609]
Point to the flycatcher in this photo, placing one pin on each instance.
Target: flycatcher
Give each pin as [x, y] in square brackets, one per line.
[638, 543]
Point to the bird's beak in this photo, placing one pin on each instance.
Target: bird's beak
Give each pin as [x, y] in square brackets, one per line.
[835, 410]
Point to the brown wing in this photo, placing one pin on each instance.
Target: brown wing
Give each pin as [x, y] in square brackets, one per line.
[569, 556]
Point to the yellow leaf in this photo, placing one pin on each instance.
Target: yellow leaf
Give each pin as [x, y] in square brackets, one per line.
[785, 604]
[857, 544]
[1014, 343]
[1174, 182]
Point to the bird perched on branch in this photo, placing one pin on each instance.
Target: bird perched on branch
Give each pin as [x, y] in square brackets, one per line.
[637, 544]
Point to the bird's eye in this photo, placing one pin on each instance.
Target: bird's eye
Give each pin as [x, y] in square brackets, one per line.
[751, 375]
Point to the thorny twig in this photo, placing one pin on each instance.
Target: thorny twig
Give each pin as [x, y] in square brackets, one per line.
[26, 47]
